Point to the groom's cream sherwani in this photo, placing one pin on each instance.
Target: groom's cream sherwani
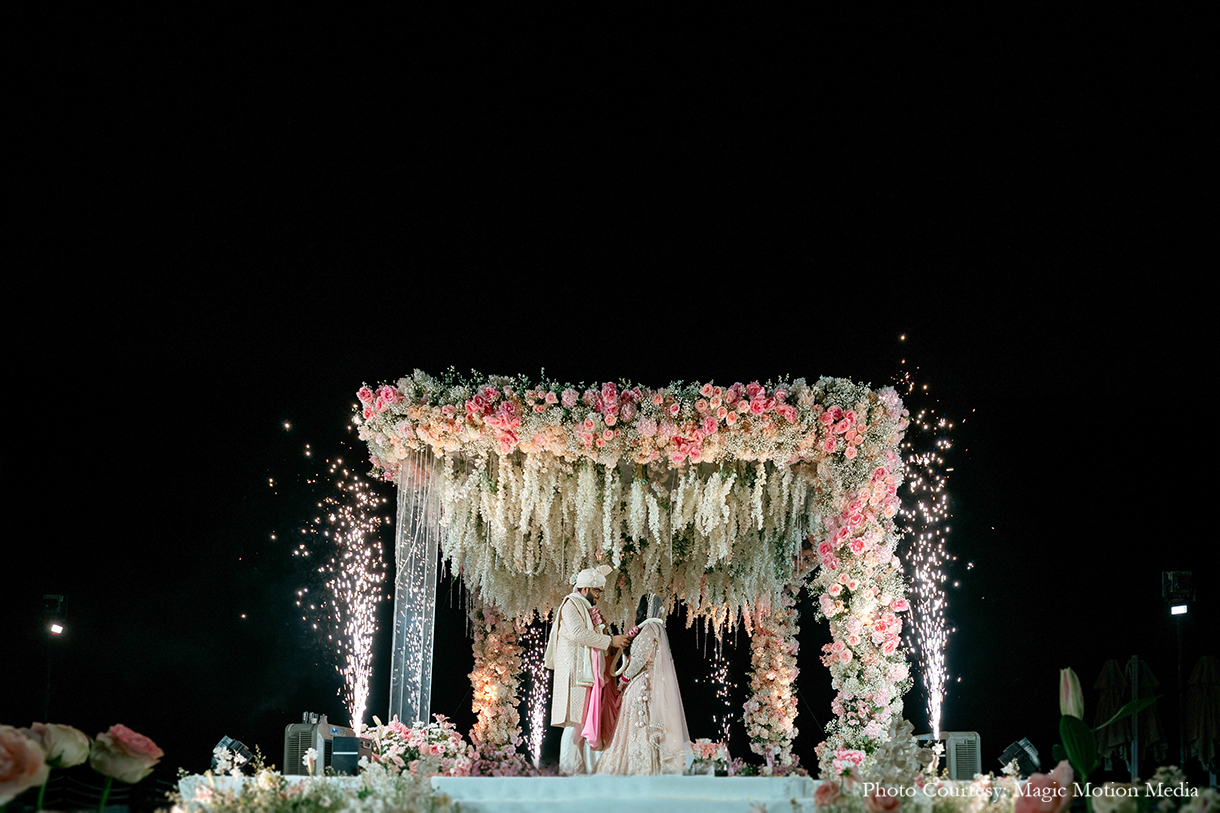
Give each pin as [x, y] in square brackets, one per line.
[569, 653]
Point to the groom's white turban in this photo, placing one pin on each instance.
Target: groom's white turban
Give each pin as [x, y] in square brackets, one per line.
[593, 576]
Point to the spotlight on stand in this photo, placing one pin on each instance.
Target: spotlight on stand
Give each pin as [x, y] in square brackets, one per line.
[1025, 754]
[241, 754]
[1178, 590]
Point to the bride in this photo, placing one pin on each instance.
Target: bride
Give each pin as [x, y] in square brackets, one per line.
[650, 736]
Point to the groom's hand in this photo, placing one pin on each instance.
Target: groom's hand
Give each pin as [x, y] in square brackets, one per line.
[619, 641]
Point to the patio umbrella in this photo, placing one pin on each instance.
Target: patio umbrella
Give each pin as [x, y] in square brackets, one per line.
[1203, 712]
[1114, 691]
[1150, 728]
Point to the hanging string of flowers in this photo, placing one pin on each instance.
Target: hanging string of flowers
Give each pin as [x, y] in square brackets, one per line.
[494, 683]
[694, 490]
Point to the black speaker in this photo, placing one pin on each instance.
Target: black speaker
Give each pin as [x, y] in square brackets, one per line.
[345, 753]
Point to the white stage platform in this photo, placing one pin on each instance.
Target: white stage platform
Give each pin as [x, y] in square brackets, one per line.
[649, 794]
[663, 794]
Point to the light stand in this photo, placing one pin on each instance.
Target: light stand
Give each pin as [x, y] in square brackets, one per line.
[1178, 590]
[53, 623]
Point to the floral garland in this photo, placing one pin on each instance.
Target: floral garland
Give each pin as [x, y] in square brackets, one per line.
[494, 683]
[376, 789]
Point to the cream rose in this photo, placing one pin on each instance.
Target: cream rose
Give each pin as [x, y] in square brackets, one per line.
[22, 764]
[63, 745]
[123, 754]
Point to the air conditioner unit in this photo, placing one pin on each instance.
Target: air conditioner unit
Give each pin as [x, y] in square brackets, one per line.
[963, 754]
[300, 737]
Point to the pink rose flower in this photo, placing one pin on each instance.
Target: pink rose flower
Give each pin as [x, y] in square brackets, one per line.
[123, 754]
[673, 408]
[1046, 793]
[388, 393]
[551, 398]
[882, 800]
[826, 794]
[850, 452]
[569, 398]
[22, 764]
[365, 395]
[730, 418]
[899, 605]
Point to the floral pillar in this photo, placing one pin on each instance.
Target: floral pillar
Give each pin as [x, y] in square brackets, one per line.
[771, 709]
[494, 683]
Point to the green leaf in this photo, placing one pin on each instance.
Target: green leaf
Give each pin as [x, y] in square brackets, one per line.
[1057, 753]
[1131, 708]
[1080, 745]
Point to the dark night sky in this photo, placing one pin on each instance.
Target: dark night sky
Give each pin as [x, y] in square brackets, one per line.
[226, 223]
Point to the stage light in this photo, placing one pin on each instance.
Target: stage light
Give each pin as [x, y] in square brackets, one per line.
[241, 754]
[1178, 609]
[56, 629]
[1025, 755]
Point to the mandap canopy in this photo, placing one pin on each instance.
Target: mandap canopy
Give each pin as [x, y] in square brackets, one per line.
[727, 499]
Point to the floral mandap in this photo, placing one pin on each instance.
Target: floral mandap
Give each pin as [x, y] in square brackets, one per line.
[728, 499]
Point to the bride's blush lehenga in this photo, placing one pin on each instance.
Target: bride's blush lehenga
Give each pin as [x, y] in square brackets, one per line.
[650, 737]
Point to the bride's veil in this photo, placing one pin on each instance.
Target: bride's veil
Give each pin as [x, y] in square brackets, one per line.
[667, 705]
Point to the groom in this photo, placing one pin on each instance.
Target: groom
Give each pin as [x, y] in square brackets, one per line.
[569, 653]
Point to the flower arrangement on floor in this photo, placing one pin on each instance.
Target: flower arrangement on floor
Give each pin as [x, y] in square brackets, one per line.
[494, 683]
[432, 748]
[27, 756]
[378, 788]
[709, 756]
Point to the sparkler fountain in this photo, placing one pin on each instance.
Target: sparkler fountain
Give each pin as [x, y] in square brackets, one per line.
[924, 518]
[354, 573]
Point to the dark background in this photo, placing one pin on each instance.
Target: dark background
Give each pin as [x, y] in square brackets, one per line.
[228, 221]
